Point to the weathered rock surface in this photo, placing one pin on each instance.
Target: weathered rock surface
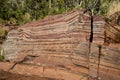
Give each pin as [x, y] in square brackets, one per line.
[58, 47]
[9, 76]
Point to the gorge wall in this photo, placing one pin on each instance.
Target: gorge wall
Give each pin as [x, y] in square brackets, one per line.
[58, 47]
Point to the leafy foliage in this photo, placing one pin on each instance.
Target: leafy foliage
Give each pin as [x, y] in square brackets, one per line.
[23, 11]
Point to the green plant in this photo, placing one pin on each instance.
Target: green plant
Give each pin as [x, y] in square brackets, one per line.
[2, 58]
[23, 11]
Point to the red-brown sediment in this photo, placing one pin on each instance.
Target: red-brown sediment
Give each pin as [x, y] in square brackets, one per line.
[58, 47]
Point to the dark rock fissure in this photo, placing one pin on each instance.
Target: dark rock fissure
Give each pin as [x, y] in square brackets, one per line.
[91, 35]
[90, 41]
[13, 66]
[99, 57]
[80, 66]
[89, 54]
[89, 59]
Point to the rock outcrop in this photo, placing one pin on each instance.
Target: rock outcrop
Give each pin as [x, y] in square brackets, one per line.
[58, 47]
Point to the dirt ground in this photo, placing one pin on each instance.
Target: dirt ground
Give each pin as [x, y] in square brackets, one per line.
[9, 76]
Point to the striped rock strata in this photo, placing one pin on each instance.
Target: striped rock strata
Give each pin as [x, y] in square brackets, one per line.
[58, 47]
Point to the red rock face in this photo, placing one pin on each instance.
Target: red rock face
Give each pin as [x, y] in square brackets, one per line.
[58, 47]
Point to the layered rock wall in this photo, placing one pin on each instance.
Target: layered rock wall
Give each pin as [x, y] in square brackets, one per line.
[60, 44]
